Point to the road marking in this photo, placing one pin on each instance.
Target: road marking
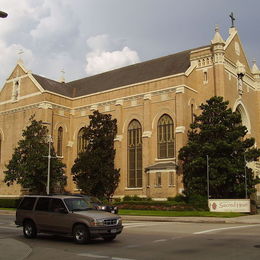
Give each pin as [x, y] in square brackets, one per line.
[226, 228]
[140, 224]
[94, 256]
[119, 258]
[103, 257]
[160, 240]
[9, 228]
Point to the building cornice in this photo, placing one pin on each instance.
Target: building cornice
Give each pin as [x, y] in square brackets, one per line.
[43, 104]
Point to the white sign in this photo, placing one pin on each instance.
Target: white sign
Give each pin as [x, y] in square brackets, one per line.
[229, 205]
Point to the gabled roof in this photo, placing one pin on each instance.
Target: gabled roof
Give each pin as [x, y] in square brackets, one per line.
[140, 72]
[54, 86]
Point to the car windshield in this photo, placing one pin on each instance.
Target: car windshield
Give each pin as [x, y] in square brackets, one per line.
[92, 200]
[78, 204]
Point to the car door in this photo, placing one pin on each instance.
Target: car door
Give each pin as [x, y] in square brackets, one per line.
[60, 219]
[42, 215]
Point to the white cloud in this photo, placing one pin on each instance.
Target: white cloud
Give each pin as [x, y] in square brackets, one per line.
[101, 60]
[9, 56]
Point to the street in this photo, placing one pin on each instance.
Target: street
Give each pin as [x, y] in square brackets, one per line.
[140, 240]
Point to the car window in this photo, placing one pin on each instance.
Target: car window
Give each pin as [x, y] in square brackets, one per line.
[77, 204]
[57, 205]
[27, 203]
[43, 204]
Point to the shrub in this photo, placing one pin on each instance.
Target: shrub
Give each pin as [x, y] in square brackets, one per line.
[178, 198]
[135, 198]
[9, 203]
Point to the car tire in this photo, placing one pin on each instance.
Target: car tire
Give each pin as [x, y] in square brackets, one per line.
[109, 238]
[29, 229]
[81, 234]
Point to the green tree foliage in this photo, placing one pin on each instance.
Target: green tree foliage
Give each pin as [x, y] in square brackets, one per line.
[218, 132]
[94, 171]
[29, 167]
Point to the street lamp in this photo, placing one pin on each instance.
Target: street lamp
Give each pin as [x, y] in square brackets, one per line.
[3, 14]
[49, 161]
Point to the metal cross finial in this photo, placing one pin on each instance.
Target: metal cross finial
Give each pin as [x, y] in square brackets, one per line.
[232, 19]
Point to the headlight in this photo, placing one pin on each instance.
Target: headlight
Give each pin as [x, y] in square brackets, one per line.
[97, 222]
[103, 207]
[119, 221]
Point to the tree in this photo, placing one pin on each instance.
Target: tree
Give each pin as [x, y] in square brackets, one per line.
[29, 164]
[94, 171]
[219, 134]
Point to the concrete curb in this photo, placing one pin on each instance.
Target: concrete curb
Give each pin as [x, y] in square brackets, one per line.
[250, 219]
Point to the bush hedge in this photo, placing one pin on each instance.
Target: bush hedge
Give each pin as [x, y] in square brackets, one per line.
[178, 203]
[9, 202]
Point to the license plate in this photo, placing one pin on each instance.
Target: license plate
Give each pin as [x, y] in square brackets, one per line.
[113, 231]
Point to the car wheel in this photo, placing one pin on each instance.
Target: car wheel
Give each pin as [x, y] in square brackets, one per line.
[81, 234]
[109, 238]
[29, 229]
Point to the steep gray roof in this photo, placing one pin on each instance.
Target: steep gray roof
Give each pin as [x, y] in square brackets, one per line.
[148, 70]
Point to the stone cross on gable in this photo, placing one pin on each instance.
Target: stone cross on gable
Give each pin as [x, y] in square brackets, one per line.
[20, 53]
[232, 19]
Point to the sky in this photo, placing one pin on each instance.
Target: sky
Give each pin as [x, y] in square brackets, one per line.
[86, 37]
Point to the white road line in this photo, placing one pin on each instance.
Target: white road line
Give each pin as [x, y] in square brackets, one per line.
[9, 228]
[104, 257]
[226, 228]
[160, 240]
[120, 258]
[93, 256]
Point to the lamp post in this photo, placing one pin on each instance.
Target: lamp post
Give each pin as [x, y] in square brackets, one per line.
[3, 14]
[49, 161]
[245, 176]
[207, 175]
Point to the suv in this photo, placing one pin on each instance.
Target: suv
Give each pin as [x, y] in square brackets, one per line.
[67, 215]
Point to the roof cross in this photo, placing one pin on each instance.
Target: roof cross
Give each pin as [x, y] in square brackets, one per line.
[232, 19]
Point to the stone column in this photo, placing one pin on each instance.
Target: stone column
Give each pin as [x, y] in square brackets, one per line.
[146, 138]
[119, 157]
[180, 130]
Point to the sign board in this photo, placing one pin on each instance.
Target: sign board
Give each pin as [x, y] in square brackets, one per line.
[229, 205]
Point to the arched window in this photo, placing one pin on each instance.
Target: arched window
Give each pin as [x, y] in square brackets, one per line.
[244, 117]
[135, 161]
[165, 137]
[60, 140]
[192, 113]
[82, 142]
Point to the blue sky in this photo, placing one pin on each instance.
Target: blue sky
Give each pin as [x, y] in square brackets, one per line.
[85, 37]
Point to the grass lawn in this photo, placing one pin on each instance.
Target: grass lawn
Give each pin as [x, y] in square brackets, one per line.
[164, 213]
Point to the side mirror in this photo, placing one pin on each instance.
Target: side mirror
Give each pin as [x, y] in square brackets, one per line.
[62, 210]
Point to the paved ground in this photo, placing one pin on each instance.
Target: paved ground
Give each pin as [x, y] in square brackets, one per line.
[16, 250]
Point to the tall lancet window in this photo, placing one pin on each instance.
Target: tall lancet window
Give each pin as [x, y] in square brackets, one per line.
[135, 160]
[60, 141]
[15, 93]
[82, 141]
[165, 132]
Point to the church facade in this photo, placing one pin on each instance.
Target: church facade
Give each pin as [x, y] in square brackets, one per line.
[153, 102]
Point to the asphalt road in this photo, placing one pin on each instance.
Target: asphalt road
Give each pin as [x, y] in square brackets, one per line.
[140, 240]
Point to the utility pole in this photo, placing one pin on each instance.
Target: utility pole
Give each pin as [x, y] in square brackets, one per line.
[245, 176]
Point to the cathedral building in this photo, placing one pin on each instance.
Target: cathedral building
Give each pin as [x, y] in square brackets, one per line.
[153, 102]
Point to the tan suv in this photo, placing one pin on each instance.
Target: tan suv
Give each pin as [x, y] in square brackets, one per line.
[69, 215]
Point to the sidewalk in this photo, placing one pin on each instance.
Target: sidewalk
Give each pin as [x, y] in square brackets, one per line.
[250, 219]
